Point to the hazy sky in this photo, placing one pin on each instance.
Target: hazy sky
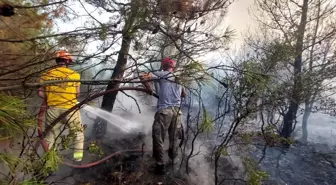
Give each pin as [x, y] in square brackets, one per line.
[239, 19]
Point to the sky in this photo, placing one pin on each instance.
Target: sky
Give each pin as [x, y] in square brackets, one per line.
[239, 19]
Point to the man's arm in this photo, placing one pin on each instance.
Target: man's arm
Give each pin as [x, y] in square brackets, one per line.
[146, 76]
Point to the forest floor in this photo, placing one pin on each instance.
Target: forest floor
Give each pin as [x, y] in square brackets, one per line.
[301, 164]
[134, 168]
[306, 164]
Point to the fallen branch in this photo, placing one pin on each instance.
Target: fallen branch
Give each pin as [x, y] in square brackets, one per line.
[38, 6]
[87, 82]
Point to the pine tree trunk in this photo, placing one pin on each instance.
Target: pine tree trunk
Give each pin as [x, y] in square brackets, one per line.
[289, 119]
[307, 112]
[295, 99]
[118, 73]
[310, 100]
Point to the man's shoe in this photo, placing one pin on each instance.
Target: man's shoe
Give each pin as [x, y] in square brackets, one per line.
[78, 156]
[160, 169]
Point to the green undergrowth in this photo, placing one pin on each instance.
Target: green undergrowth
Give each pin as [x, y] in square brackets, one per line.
[255, 175]
[15, 126]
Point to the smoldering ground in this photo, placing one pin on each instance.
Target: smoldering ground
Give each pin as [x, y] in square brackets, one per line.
[134, 167]
[129, 127]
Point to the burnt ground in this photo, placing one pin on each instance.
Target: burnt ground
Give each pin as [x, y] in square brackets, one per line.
[306, 164]
[301, 164]
[127, 168]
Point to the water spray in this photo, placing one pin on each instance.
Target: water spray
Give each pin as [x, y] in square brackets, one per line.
[42, 134]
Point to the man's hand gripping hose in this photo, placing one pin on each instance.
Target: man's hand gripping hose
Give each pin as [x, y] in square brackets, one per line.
[41, 135]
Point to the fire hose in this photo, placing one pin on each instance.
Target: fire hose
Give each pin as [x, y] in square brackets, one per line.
[41, 134]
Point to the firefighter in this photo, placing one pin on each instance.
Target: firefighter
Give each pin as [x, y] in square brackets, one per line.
[168, 114]
[59, 98]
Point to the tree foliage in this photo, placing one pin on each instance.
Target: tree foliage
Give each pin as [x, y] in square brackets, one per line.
[261, 84]
[20, 61]
[300, 27]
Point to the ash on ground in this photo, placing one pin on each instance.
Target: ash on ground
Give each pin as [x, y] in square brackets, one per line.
[302, 163]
